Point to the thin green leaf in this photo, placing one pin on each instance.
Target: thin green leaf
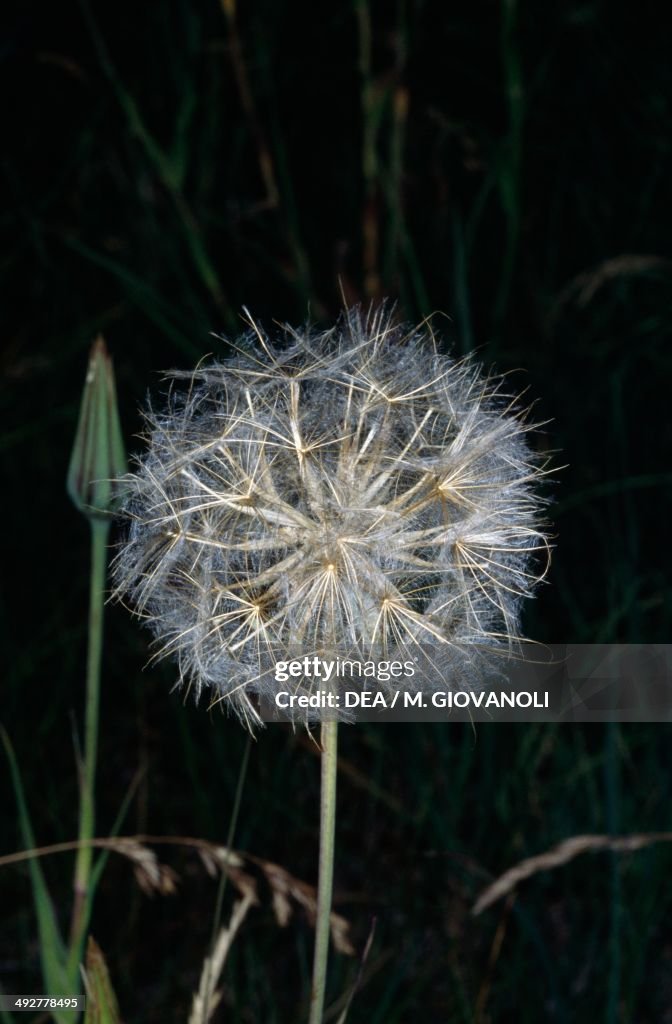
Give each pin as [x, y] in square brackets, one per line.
[52, 947]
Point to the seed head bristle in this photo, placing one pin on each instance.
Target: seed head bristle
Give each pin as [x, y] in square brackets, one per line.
[351, 491]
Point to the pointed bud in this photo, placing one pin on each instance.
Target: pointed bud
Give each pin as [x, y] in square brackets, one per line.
[98, 459]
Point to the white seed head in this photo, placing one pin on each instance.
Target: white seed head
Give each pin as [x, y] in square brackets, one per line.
[349, 491]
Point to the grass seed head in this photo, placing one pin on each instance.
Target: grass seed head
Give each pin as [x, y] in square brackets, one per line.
[351, 492]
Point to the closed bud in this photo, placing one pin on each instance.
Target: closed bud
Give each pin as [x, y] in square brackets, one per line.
[98, 457]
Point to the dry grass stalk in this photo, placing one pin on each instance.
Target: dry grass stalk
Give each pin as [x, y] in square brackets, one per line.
[561, 854]
[208, 996]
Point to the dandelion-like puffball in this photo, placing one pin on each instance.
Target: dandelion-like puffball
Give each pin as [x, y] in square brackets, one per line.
[350, 492]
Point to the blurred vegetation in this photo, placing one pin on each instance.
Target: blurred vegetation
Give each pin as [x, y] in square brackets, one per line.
[506, 164]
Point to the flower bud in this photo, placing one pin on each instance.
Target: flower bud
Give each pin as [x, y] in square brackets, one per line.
[98, 457]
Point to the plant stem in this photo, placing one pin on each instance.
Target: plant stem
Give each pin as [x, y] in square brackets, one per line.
[510, 172]
[223, 878]
[326, 870]
[81, 909]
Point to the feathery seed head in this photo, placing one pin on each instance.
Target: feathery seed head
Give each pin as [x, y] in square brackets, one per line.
[349, 491]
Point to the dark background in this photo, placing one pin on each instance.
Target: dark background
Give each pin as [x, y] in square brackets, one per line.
[505, 164]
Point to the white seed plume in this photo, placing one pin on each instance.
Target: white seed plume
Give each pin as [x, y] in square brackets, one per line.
[350, 492]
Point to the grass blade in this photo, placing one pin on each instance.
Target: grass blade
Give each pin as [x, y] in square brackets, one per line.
[52, 947]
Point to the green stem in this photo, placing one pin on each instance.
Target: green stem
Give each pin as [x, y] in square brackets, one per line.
[326, 870]
[81, 909]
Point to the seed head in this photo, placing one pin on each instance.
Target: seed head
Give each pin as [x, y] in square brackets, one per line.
[349, 491]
